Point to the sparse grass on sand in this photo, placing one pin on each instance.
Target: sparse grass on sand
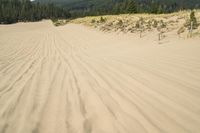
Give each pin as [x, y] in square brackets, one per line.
[137, 23]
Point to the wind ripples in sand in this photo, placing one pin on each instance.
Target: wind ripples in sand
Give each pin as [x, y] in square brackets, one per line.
[72, 79]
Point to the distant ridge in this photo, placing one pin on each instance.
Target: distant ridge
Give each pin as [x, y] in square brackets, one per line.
[103, 7]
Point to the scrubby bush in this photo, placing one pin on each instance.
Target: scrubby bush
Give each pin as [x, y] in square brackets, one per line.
[120, 22]
[141, 21]
[162, 24]
[155, 23]
[192, 21]
[54, 20]
[102, 20]
[137, 24]
[149, 24]
[93, 21]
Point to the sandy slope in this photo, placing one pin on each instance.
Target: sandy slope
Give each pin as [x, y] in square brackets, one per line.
[73, 79]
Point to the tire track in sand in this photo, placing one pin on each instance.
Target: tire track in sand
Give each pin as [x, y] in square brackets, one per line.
[74, 80]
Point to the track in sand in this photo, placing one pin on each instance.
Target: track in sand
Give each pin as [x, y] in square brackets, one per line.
[73, 79]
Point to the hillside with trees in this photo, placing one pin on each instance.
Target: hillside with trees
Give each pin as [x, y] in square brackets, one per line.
[12, 11]
[102, 7]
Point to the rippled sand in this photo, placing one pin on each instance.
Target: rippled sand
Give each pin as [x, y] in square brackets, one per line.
[73, 79]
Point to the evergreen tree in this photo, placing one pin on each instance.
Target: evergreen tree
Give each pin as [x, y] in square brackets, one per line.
[160, 9]
[193, 20]
[12, 11]
[131, 8]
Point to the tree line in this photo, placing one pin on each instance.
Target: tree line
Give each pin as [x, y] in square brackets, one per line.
[105, 7]
[12, 11]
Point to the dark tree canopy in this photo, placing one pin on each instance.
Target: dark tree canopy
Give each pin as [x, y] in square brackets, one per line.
[23, 10]
[80, 8]
[12, 11]
[131, 7]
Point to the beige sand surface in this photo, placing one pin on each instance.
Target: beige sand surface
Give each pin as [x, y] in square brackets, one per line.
[74, 79]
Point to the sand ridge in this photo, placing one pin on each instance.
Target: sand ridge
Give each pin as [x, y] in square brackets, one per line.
[72, 79]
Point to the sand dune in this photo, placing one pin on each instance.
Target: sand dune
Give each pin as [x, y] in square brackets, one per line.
[73, 79]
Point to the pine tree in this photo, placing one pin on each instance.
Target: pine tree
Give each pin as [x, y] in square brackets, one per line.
[193, 20]
[131, 7]
[160, 9]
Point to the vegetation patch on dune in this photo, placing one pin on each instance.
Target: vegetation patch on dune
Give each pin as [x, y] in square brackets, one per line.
[136, 23]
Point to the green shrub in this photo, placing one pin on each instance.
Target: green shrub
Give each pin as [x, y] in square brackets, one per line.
[102, 20]
[137, 25]
[93, 21]
[54, 20]
[149, 24]
[141, 21]
[162, 24]
[57, 24]
[192, 21]
[155, 23]
[120, 22]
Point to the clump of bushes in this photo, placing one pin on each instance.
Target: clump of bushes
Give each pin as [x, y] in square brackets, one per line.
[162, 24]
[93, 21]
[102, 20]
[139, 23]
[192, 22]
[56, 22]
[149, 24]
[155, 23]
[120, 22]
